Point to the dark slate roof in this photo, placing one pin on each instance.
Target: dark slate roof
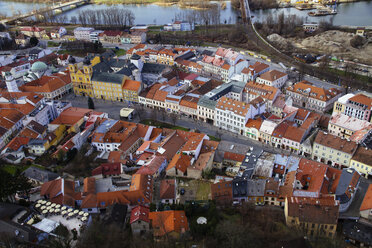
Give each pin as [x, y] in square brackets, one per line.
[39, 174]
[108, 54]
[187, 56]
[125, 71]
[102, 67]
[35, 50]
[207, 52]
[118, 63]
[135, 57]
[116, 78]
[153, 68]
[37, 127]
[343, 184]
[240, 187]
[37, 142]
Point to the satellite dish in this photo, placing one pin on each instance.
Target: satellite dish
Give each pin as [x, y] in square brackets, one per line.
[201, 220]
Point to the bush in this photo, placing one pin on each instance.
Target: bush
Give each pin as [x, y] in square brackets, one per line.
[357, 41]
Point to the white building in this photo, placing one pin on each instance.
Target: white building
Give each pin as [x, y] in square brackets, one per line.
[232, 115]
[273, 78]
[304, 94]
[354, 105]
[83, 33]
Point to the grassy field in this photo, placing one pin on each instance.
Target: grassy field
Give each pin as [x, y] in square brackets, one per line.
[120, 52]
[11, 169]
[162, 124]
[203, 190]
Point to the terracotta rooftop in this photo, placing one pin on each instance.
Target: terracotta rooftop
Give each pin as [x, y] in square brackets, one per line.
[265, 91]
[164, 222]
[272, 75]
[254, 123]
[308, 89]
[295, 133]
[363, 155]
[139, 213]
[335, 142]
[238, 107]
[367, 201]
[132, 85]
[233, 156]
[180, 161]
[168, 189]
[362, 99]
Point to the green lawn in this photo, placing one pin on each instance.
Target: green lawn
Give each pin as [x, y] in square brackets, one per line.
[53, 44]
[120, 52]
[203, 190]
[11, 169]
[162, 124]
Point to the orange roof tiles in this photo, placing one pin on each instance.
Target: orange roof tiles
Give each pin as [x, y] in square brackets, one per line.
[233, 156]
[17, 143]
[308, 89]
[362, 99]
[180, 161]
[71, 115]
[238, 107]
[168, 221]
[367, 201]
[254, 123]
[190, 102]
[47, 84]
[272, 75]
[335, 142]
[132, 85]
[265, 91]
[168, 189]
[295, 133]
[89, 185]
[160, 95]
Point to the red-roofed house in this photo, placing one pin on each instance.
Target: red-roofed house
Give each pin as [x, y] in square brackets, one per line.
[222, 192]
[273, 78]
[154, 167]
[169, 222]
[139, 220]
[108, 169]
[168, 191]
[59, 191]
[366, 207]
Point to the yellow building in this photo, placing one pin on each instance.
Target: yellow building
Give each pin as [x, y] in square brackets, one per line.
[361, 161]
[108, 86]
[131, 90]
[314, 216]
[81, 74]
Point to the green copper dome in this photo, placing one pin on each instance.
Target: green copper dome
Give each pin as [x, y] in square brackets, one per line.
[39, 66]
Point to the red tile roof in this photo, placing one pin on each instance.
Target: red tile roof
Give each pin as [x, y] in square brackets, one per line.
[168, 221]
[367, 201]
[139, 213]
[233, 156]
[108, 169]
[168, 189]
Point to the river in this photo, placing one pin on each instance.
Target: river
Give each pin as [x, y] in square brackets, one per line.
[353, 14]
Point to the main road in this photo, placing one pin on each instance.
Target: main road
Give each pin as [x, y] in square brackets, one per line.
[113, 109]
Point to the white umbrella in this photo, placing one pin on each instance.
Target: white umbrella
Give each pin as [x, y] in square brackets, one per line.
[69, 210]
[53, 204]
[37, 205]
[42, 207]
[40, 201]
[57, 206]
[71, 214]
[64, 208]
[48, 203]
[84, 219]
[86, 215]
[57, 210]
[64, 212]
[45, 211]
[49, 207]
[81, 213]
[43, 202]
[76, 211]
[51, 210]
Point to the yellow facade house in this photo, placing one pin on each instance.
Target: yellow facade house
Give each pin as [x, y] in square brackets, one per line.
[362, 162]
[131, 90]
[314, 216]
[81, 74]
[108, 86]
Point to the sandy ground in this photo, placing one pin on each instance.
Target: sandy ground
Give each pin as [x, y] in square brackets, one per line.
[336, 43]
[332, 42]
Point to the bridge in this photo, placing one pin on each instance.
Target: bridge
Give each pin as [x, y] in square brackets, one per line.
[54, 9]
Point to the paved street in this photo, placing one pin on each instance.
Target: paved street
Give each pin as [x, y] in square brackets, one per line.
[113, 109]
